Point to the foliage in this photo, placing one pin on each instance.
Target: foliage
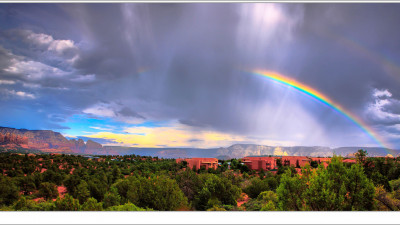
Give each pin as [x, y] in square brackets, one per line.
[68, 203]
[111, 198]
[162, 184]
[8, 191]
[23, 204]
[385, 200]
[92, 205]
[257, 186]
[48, 190]
[26, 184]
[216, 191]
[266, 201]
[361, 156]
[334, 188]
[159, 193]
[189, 183]
[126, 207]
[216, 208]
[82, 192]
[395, 184]
[290, 191]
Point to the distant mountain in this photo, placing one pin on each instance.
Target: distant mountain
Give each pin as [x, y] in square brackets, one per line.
[54, 142]
[45, 141]
[241, 150]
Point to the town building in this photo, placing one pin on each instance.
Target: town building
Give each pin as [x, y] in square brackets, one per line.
[258, 163]
[199, 163]
[296, 161]
[270, 163]
[322, 160]
[349, 161]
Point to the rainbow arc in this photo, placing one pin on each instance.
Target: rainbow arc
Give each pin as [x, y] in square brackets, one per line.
[325, 100]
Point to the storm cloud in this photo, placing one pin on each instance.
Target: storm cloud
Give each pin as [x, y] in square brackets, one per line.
[189, 66]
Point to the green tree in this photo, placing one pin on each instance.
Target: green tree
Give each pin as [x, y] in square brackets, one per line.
[159, 193]
[71, 182]
[24, 205]
[26, 184]
[255, 187]
[82, 192]
[290, 192]
[217, 190]
[111, 198]
[380, 179]
[395, 184]
[269, 199]
[361, 156]
[97, 188]
[92, 205]
[116, 174]
[48, 190]
[126, 207]
[266, 201]
[68, 203]
[339, 188]
[189, 183]
[386, 201]
[123, 186]
[8, 191]
[314, 164]
[51, 176]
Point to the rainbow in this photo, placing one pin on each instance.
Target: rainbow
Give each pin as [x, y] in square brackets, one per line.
[323, 99]
[391, 68]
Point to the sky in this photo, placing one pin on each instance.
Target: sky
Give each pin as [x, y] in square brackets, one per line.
[181, 74]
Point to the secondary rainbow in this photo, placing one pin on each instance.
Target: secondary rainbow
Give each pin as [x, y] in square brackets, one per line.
[325, 100]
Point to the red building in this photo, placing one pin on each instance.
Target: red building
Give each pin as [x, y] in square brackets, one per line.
[349, 161]
[270, 163]
[258, 163]
[296, 161]
[200, 162]
[324, 161]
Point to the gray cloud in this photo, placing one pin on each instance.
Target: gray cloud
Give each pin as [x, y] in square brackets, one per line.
[393, 107]
[129, 113]
[184, 62]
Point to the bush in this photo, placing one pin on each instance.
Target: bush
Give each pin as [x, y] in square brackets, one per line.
[257, 186]
[92, 205]
[68, 203]
[216, 190]
[126, 207]
[48, 190]
[159, 193]
[8, 191]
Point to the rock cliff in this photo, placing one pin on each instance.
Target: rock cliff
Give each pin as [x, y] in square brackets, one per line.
[44, 140]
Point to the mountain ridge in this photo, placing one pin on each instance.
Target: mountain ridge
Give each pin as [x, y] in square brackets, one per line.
[49, 141]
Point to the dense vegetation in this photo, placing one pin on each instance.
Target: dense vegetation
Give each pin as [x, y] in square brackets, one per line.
[47, 182]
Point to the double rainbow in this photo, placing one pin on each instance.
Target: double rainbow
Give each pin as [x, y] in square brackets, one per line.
[325, 100]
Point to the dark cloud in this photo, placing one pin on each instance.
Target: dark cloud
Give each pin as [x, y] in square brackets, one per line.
[191, 123]
[129, 113]
[185, 62]
[392, 107]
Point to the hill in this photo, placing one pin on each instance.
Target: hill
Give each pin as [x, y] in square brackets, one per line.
[54, 142]
[45, 141]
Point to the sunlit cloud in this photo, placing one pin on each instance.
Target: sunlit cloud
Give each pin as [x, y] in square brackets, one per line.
[33, 70]
[9, 82]
[178, 135]
[20, 94]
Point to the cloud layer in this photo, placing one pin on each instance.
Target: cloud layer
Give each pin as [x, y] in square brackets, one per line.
[178, 74]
